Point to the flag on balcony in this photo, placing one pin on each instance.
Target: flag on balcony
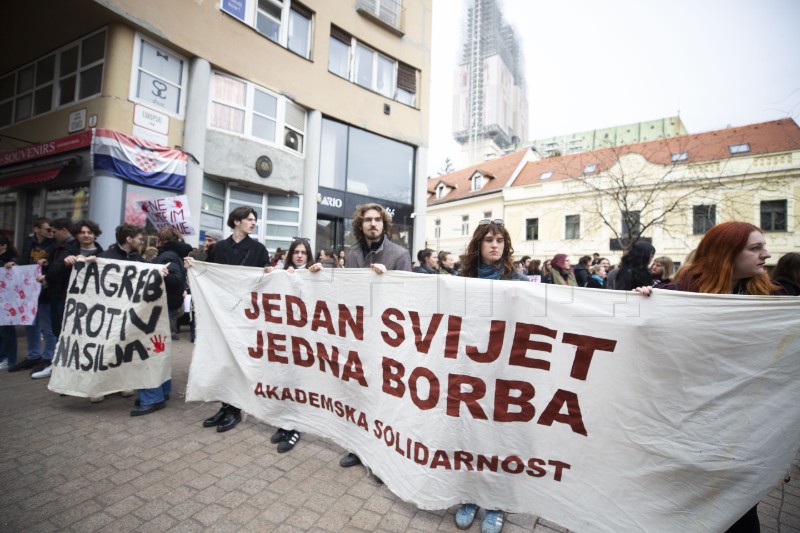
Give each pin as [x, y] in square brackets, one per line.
[138, 160]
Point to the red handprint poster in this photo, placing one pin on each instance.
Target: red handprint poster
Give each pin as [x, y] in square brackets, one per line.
[116, 330]
[19, 295]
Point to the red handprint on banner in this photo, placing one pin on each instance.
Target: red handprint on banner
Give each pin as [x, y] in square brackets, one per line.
[33, 310]
[144, 207]
[20, 292]
[8, 273]
[2, 284]
[11, 310]
[24, 318]
[158, 343]
[21, 308]
[178, 204]
[26, 281]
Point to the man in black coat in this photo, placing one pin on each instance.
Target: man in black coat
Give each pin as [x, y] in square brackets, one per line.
[238, 249]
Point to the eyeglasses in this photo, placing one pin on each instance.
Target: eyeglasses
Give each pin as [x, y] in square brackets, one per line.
[485, 221]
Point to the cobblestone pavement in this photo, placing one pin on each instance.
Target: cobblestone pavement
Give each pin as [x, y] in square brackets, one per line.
[69, 465]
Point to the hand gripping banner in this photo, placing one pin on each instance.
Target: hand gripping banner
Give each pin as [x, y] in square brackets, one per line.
[599, 410]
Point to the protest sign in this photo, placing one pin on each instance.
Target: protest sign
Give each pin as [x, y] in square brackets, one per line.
[599, 410]
[19, 295]
[115, 334]
[169, 212]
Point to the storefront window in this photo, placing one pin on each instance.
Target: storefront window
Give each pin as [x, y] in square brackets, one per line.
[333, 155]
[72, 203]
[379, 167]
[8, 214]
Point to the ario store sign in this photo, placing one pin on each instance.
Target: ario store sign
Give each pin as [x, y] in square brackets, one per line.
[330, 202]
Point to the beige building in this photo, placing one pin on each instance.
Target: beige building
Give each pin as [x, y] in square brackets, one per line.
[668, 191]
[300, 110]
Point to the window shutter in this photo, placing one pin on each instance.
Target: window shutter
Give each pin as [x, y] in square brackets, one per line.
[407, 77]
[302, 10]
[341, 35]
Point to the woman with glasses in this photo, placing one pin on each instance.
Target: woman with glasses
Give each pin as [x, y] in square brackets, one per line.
[730, 259]
[298, 257]
[488, 257]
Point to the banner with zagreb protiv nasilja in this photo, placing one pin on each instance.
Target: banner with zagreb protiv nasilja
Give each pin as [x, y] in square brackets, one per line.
[115, 334]
[599, 410]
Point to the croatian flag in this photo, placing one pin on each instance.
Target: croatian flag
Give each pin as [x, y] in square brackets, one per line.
[139, 161]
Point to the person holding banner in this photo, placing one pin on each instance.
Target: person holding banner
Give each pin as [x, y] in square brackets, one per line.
[730, 259]
[297, 258]
[237, 249]
[371, 226]
[489, 256]
[8, 334]
[38, 249]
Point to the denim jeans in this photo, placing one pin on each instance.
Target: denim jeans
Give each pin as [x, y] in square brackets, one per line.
[41, 326]
[8, 344]
[156, 395]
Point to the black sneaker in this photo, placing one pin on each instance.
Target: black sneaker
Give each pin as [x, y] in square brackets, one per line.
[278, 436]
[27, 364]
[291, 439]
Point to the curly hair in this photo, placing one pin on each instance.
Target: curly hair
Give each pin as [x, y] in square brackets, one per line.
[93, 226]
[358, 220]
[472, 259]
[711, 269]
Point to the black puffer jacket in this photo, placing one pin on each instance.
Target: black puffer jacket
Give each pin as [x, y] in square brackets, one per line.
[172, 254]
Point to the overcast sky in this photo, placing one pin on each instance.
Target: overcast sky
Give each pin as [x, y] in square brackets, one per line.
[593, 64]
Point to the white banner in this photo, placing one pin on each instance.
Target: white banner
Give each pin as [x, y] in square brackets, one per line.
[599, 410]
[19, 295]
[115, 334]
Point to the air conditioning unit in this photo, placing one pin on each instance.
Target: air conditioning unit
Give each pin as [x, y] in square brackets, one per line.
[293, 140]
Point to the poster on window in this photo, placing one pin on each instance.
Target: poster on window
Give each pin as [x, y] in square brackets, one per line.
[168, 212]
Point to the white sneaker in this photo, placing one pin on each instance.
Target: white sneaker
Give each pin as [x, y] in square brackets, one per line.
[43, 373]
[97, 399]
[4, 363]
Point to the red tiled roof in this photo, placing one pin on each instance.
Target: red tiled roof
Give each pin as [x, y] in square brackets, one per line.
[764, 138]
[499, 169]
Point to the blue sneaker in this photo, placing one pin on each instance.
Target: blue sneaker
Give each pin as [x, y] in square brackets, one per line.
[466, 515]
[493, 522]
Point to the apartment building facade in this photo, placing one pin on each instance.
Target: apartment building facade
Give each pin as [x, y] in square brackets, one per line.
[299, 110]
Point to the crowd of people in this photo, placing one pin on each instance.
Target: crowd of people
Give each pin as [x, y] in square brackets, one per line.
[730, 259]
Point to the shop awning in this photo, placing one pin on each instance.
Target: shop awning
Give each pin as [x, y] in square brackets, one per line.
[31, 177]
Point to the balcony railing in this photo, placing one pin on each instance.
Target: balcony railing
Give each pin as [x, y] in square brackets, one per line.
[388, 13]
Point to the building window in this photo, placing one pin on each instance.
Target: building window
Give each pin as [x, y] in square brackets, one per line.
[532, 229]
[704, 217]
[590, 169]
[487, 214]
[72, 73]
[278, 215]
[441, 191]
[679, 156]
[437, 228]
[245, 108]
[349, 157]
[546, 175]
[631, 224]
[742, 148]
[285, 22]
[159, 77]
[371, 69]
[572, 227]
[773, 215]
[388, 11]
[477, 182]
[464, 225]
[212, 206]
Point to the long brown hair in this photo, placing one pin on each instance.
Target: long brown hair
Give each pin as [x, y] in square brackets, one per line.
[469, 267]
[711, 269]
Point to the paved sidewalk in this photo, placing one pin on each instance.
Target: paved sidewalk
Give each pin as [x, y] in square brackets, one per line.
[69, 465]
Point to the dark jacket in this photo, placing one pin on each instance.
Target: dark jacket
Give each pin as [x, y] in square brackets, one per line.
[385, 252]
[582, 275]
[247, 252]
[115, 252]
[58, 274]
[32, 252]
[172, 254]
[424, 269]
[791, 288]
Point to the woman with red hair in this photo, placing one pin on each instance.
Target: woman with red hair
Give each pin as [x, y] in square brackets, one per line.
[562, 271]
[730, 259]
